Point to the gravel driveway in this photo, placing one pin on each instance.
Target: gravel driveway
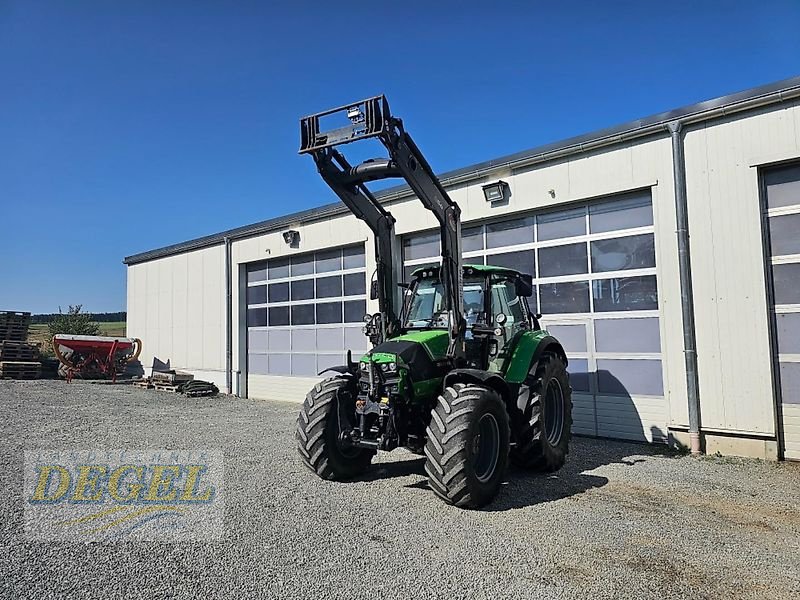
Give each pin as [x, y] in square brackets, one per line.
[619, 521]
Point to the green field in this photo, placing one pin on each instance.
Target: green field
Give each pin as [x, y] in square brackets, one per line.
[41, 333]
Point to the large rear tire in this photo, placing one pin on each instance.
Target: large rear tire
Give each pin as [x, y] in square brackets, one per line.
[543, 436]
[318, 432]
[467, 446]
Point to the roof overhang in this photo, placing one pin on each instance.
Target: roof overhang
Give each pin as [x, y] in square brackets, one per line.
[773, 93]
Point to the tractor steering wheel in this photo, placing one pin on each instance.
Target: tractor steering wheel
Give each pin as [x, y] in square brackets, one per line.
[436, 318]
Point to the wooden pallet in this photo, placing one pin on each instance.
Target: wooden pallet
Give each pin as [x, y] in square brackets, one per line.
[14, 316]
[13, 333]
[14, 325]
[166, 387]
[171, 377]
[20, 370]
[143, 383]
[18, 351]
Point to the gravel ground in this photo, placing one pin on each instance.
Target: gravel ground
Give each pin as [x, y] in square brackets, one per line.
[619, 521]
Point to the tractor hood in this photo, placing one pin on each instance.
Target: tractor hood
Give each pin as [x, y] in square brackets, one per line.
[419, 350]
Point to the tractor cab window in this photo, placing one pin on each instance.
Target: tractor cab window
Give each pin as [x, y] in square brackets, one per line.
[426, 305]
[506, 301]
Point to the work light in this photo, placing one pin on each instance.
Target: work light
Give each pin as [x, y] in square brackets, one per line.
[495, 192]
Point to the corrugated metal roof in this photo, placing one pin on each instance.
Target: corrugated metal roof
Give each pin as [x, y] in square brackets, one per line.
[700, 111]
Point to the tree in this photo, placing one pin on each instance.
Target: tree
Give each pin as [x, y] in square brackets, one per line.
[73, 322]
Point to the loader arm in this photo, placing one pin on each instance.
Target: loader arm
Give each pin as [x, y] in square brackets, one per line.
[334, 169]
[371, 118]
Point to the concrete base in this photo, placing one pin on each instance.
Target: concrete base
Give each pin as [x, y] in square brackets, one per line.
[729, 445]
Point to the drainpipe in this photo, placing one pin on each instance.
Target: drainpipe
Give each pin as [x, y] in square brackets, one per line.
[687, 296]
[228, 319]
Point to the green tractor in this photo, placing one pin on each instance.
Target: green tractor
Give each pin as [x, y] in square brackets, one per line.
[460, 369]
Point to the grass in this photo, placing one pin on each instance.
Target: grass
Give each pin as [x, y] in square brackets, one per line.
[40, 332]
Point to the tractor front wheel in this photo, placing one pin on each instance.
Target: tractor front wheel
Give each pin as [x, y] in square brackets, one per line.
[543, 436]
[467, 446]
[318, 428]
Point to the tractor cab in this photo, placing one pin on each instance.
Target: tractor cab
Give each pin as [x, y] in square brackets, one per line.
[495, 310]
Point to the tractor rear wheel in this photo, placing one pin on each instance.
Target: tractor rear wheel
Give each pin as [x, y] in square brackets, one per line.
[318, 432]
[543, 436]
[467, 446]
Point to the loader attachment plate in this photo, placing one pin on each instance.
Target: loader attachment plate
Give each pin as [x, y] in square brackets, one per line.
[368, 118]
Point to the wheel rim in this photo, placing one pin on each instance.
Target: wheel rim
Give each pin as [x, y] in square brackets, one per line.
[553, 411]
[486, 447]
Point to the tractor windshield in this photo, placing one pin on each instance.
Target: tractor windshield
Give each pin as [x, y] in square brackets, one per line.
[426, 306]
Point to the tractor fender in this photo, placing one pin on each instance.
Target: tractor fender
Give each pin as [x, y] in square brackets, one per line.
[485, 378]
[341, 369]
[524, 361]
[508, 391]
[528, 350]
[548, 344]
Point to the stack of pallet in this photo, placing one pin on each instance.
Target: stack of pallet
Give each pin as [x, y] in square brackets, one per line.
[18, 358]
[166, 381]
[178, 382]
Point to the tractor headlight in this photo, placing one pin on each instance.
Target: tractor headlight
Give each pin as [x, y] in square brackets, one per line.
[392, 367]
[364, 366]
[384, 367]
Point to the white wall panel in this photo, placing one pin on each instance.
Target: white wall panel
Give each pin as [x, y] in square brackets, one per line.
[641, 419]
[583, 421]
[289, 389]
[727, 264]
[791, 431]
[176, 306]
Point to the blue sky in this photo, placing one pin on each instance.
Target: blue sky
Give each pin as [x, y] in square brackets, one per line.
[126, 126]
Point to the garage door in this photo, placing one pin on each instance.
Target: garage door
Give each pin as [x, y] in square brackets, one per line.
[783, 231]
[595, 278]
[303, 313]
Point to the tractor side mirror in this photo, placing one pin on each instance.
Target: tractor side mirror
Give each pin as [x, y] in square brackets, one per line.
[524, 285]
[373, 289]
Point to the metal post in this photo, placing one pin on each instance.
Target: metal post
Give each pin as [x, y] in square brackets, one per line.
[687, 296]
[228, 319]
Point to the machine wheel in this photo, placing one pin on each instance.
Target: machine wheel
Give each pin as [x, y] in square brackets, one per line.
[467, 447]
[544, 434]
[318, 432]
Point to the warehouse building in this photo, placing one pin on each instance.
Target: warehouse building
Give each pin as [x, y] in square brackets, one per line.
[661, 334]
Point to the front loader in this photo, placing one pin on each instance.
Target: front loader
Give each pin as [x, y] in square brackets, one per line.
[461, 371]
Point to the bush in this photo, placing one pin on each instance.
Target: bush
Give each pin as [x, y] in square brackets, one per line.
[73, 322]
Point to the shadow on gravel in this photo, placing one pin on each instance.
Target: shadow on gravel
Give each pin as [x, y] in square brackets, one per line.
[523, 488]
[388, 470]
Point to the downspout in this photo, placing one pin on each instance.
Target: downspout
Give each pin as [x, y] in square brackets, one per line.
[228, 319]
[687, 295]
